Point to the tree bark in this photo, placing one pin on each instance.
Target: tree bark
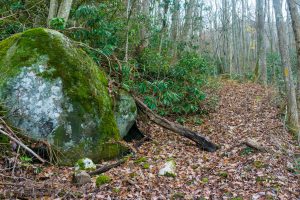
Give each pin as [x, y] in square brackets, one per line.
[52, 10]
[225, 29]
[261, 47]
[235, 37]
[292, 112]
[127, 31]
[174, 27]
[188, 22]
[144, 32]
[200, 140]
[164, 24]
[296, 28]
[64, 10]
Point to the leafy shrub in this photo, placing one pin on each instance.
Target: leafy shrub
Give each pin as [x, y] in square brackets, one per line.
[174, 90]
[57, 23]
[99, 28]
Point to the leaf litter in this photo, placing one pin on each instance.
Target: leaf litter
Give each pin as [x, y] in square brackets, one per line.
[235, 171]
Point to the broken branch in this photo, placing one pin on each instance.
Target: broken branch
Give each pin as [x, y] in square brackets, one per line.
[200, 140]
[22, 145]
[107, 167]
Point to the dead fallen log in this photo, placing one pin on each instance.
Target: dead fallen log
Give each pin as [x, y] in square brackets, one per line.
[142, 141]
[255, 145]
[200, 140]
[107, 167]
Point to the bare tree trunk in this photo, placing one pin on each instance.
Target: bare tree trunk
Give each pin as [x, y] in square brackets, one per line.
[64, 10]
[188, 22]
[292, 112]
[243, 50]
[261, 47]
[127, 32]
[164, 25]
[144, 32]
[174, 27]
[296, 28]
[52, 10]
[225, 24]
[235, 52]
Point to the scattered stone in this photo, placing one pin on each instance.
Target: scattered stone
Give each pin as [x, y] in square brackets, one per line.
[82, 178]
[168, 169]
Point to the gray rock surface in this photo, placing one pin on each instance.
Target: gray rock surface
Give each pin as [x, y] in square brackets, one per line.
[82, 178]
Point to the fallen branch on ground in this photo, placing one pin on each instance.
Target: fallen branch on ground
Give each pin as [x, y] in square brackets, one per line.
[20, 143]
[142, 141]
[107, 167]
[200, 140]
[255, 145]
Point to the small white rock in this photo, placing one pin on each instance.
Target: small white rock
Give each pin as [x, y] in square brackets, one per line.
[85, 164]
[168, 169]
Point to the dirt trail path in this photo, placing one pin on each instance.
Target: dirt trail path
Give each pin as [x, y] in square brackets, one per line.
[245, 110]
[233, 172]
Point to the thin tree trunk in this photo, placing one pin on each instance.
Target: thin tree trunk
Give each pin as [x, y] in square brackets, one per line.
[52, 10]
[235, 52]
[64, 10]
[144, 40]
[164, 25]
[174, 27]
[188, 22]
[127, 32]
[225, 24]
[261, 47]
[292, 112]
[296, 28]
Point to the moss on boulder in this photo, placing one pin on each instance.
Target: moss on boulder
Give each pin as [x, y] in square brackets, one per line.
[53, 91]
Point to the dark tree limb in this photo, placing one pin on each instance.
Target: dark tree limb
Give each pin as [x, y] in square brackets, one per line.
[200, 140]
[107, 167]
[142, 141]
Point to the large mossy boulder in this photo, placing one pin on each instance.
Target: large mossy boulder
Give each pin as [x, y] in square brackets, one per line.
[53, 91]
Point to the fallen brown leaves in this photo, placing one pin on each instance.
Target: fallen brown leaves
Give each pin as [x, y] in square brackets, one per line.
[234, 171]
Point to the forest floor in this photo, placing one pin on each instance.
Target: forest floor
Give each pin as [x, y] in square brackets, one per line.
[235, 171]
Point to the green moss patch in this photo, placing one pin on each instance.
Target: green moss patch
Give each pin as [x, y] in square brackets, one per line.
[140, 160]
[102, 179]
[168, 174]
[146, 165]
[223, 174]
